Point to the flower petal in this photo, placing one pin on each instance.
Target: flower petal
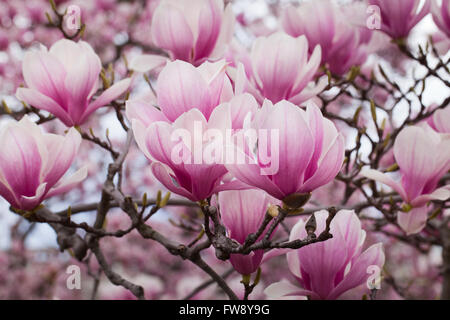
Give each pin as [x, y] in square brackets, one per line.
[61, 151]
[413, 221]
[415, 155]
[385, 179]
[40, 101]
[180, 88]
[68, 183]
[147, 62]
[283, 289]
[171, 31]
[106, 97]
[359, 272]
[162, 175]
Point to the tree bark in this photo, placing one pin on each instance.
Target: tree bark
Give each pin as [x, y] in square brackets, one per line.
[445, 294]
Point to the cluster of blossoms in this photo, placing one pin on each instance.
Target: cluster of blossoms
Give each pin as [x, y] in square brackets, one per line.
[247, 133]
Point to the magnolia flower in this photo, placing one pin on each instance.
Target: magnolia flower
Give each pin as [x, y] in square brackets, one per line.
[423, 157]
[441, 15]
[183, 152]
[242, 213]
[439, 120]
[295, 152]
[281, 70]
[64, 79]
[32, 163]
[441, 42]
[400, 16]
[182, 87]
[326, 25]
[326, 270]
[240, 107]
[192, 30]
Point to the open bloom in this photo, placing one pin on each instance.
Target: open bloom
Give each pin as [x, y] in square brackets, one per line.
[295, 151]
[242, 213]
[423, 157]
[324, 24]
[441, 15]
[400, 16]
[64, 79]
[183, 152]
[32, 163]
[281, 70]
[192, 31]
[326, 270]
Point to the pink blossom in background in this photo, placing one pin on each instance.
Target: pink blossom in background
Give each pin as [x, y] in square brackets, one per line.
[327, 270]
[326, 25]
[193, 31]
[63, 81]
[400, 16]
[305, 163]
[32, 163]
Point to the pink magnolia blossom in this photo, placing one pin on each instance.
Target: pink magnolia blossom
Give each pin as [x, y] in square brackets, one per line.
[327, 25]
[439, 120]
[182, 87]
[280, 69]
[423, 157]
[400, 16]
[326, 270]
[32, 163]
[64, 79]
[305, 149]
[242, 213]
[192, 31]
[182, 153]
[441, 15]
[441, 42]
